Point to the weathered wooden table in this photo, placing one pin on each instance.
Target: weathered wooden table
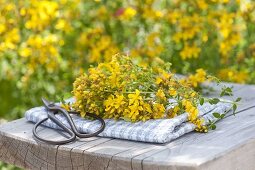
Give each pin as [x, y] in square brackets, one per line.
[230, 146]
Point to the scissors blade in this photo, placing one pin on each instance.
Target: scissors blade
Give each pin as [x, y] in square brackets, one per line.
[47, 103]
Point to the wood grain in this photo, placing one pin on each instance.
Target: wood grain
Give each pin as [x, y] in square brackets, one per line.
[231, 146]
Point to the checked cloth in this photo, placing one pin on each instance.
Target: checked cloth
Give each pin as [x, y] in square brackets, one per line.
[154, 130]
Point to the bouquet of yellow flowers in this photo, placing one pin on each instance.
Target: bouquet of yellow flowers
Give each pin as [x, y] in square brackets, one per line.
[121, 89]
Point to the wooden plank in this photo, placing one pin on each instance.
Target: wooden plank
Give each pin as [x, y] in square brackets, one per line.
[32, 154]
[15, 149]
[100, 157]
[62, 153]
[247, 93]
[15, 123]
[29, 153]
[68, 158]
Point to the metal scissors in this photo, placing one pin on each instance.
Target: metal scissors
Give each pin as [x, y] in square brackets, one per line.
[73, 132]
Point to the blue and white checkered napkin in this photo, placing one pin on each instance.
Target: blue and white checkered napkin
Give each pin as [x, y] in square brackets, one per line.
[155, 131]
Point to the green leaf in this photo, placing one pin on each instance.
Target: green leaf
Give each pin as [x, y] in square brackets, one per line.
[226, 91]
[216, 115]
[213, 126]
[222, 116]
[234, 108]
[238, 99]
[222, 94]
[214, 101]
[201, 102]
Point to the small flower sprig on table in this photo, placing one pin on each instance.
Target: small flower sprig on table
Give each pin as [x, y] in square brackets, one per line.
[121, 89]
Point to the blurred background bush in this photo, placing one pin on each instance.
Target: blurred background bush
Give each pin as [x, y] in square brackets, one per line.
[44, 44]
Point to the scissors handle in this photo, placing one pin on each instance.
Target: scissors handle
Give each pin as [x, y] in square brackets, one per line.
[74, 128]
[52, 117]
[73, 132]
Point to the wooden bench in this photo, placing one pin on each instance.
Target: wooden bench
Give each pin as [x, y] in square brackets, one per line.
[230, 146]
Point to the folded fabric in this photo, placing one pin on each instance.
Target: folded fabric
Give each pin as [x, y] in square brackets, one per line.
[155, 130]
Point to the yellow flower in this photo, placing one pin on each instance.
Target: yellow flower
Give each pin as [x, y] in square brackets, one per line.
[193, 94]
[134, 98]
[174, 16]
[147, 107]
[63, 25]
[204, 37]
[163, 76]
[108, 103]
[161, 95]
[228, 44]
[66, 107]
[202, 4]
[198, 77]
[114, 80]
[172, 92]
[177, 37]
[190, 109]
[2, 28]
[173, 112]
[158, 80]
[41, 14]
[200, 127]
[114, 106]
[200, 74]
[190, 52]
[129, 13]
[134, 111]
[159, 14]
[166, 75]
[152, 38]
[22, 11]
[25, 52]
[233, 75]
[158, 111]
[119, 101]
